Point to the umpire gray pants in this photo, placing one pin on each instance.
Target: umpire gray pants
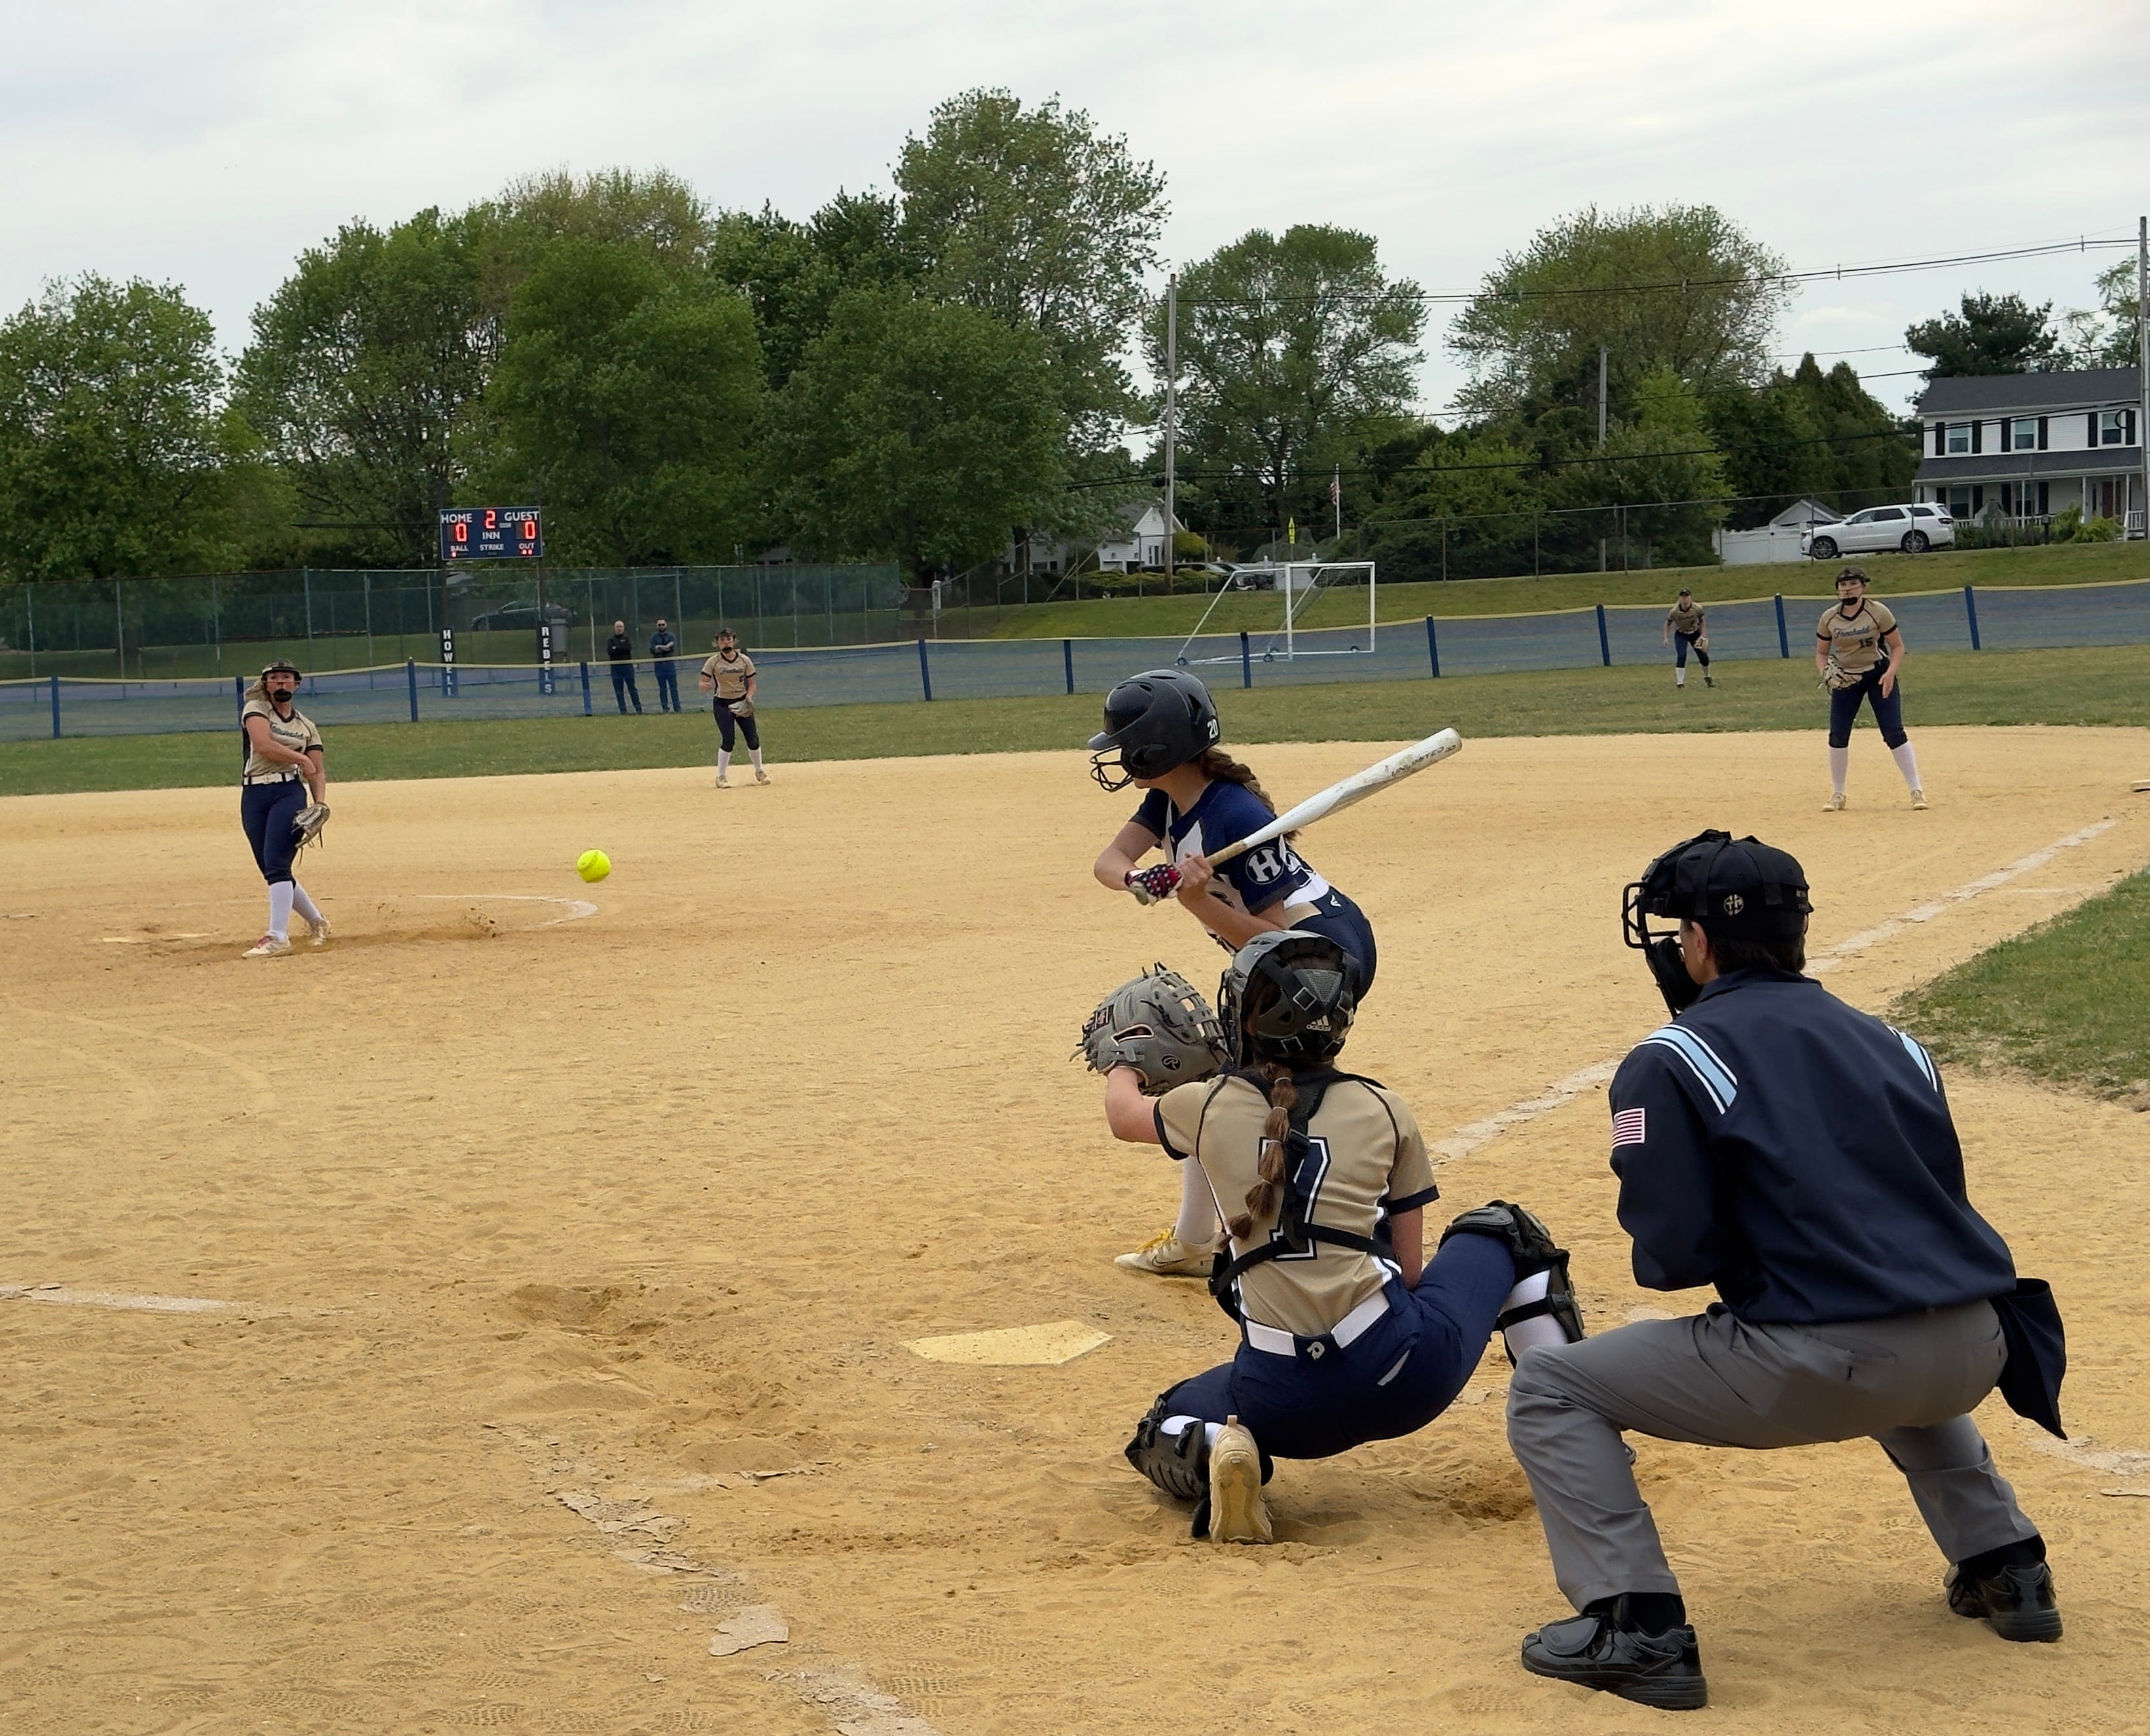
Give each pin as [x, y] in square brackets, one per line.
[1716, 1382]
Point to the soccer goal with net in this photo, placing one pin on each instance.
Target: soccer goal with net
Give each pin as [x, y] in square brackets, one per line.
[1311, 596]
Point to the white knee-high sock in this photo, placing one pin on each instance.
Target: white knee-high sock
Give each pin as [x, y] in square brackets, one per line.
[1197, 1223]
[307, 909]
[280, 909]
[1680, 678]
[723, 762]
[756, 752]
[1540, 1329]
[1907, 763]
[1840, 768]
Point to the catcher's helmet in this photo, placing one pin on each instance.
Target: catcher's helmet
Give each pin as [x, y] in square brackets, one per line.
[1153, 722]
[1738, 887]
[1286, 996]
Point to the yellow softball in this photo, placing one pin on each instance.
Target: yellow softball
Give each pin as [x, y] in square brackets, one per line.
[593, 864]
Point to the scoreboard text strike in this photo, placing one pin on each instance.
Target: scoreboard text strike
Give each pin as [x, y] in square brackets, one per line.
[492, 533]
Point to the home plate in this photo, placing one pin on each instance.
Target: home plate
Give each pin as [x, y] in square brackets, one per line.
[1055, 1341]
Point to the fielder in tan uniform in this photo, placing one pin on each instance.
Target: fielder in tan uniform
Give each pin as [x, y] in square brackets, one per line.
[729, 675]
[1688, 629]
[1859, 654]
[1348, 1333]
[282, 762]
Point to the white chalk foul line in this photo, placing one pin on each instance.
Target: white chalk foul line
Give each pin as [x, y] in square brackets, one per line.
[60, 1293]
[1471, 1137]
[577, 908]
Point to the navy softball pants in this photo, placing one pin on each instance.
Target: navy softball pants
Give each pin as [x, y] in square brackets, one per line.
[267, 810]
[727, 722]
[1844, 703]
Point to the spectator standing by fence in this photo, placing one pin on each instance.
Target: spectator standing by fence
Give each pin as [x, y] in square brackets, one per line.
[620, 650]
[664, 647]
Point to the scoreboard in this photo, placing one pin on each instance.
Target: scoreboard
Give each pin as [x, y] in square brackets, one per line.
[492, 533]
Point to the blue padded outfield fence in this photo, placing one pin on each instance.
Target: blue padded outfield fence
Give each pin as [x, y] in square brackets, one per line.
[1999, 618]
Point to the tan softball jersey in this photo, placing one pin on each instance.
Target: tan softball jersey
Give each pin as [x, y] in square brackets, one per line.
[1856, 639]
[295, 732]
[1685, 617]
[730, 676]
[1375, 1154]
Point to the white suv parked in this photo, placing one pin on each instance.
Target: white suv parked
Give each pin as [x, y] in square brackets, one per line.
[1913, 529]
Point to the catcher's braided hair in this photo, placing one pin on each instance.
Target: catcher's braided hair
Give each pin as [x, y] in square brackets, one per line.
[1220, 767]
[1266, 1196]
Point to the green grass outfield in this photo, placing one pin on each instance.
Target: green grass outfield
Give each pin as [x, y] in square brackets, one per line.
[1127, 616]
[2069, 1000]
[2105, 684]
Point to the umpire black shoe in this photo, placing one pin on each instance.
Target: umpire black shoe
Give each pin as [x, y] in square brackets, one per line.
[2017, 1600]
[1662, 1670]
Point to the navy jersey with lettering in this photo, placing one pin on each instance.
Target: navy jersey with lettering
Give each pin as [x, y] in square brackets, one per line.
[1225, 813]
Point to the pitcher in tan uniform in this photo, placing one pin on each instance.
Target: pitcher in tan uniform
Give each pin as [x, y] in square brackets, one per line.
[1859, 653]
[1347, 1333]
[282, 761]
[729, 676]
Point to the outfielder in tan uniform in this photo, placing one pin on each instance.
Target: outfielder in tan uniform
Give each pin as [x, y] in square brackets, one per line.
[282, 763]
[729, 676]
[1347, 1333]
[1688, 629]
[1859, 654]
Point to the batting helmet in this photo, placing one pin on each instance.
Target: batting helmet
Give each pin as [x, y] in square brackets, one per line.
[1153, 722]
[1286, 996]
[282, 666]
[1735, 887]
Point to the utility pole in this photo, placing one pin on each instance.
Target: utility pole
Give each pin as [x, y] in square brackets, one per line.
[1171, 413]
[1601, 436]
[2142, 363]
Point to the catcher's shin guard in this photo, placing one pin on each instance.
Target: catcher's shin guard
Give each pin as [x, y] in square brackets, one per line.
[1177, 1463]
[1542, 1309]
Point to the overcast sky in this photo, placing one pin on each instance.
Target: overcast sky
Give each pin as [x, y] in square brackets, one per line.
[206, 143]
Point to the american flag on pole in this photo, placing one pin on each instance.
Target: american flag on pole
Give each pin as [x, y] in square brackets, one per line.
[1337, 487]
[1628, 1127]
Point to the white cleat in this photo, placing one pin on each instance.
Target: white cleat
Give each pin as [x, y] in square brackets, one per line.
[1918, 801]
[760, 775]
[722, 782]
[1238, 1513]
[319, 932]
[270, 946]
[1834, 805]
[1165, 1255]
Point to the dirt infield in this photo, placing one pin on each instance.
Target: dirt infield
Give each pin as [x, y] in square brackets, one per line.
[569, 1258]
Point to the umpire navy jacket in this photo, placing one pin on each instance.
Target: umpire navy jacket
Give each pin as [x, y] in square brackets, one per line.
[1799, 1155]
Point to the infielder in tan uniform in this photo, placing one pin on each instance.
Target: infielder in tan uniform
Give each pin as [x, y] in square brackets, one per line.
[1859, 654]
[1686, 623]
[283, 762]
[1347, 1333]
[729, 675]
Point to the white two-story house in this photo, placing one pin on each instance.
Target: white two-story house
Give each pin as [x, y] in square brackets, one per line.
[2030, 444]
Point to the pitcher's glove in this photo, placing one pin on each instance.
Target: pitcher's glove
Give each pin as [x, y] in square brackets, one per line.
[307, 823]
[1835, 677]
[1160, 1026]
[740, 707]
[1152, 885]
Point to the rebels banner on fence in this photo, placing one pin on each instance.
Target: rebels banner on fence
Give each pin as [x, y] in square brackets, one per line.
[492, 533]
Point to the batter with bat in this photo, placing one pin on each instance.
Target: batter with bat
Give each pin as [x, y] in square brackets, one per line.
[1347, 1333]
[280, 766]
[1161, 735]
[729, 676]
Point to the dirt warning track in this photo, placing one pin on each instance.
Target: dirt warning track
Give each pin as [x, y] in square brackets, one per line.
[568, 1258]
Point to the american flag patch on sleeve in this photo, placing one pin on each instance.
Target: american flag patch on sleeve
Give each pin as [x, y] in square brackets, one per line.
[1628, 1127]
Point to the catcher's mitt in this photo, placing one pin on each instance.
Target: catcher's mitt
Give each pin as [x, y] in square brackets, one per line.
[307, 823]
[1160, 1026]
[740, 707]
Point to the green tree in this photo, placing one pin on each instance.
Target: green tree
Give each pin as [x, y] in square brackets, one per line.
[790, 273]
[916, 429]
[629, 398]
[1663, 470]
[1032, 216]
[119, 455]
[362, 368]
[1296, 353]
[655, 213]
[1808, 433]
[1682, 287]
[2108, 335]
[1992, 335]
[1461, 503]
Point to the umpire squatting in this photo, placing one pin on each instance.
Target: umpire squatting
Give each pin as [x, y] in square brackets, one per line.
[1798, 1156]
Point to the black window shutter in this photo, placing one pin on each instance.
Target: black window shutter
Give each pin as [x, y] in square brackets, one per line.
[2042, 435]
[1978, 497]
[2128, 438]
[1940, 440]
[1976, 429]
[2044, 495]
[2093, 428]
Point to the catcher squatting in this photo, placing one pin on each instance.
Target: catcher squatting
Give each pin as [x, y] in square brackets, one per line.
[1759, 1138]
[280, 767]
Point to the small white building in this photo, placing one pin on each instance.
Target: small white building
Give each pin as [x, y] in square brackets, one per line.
[1140, 545]
[2030, 444]
[1778, 540]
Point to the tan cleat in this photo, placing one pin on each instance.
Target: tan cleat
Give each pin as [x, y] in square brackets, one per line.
[1834, 805]
[1918, 801]
[722, 782]
[1238, 1513]
[270, 946]
[319, 932]
[1164, 1255]
[760, 775]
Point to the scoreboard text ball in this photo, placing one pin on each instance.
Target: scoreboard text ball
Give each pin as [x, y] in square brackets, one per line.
[492, 533]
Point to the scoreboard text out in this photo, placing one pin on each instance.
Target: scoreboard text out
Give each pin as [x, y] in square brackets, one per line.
[492, 533]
